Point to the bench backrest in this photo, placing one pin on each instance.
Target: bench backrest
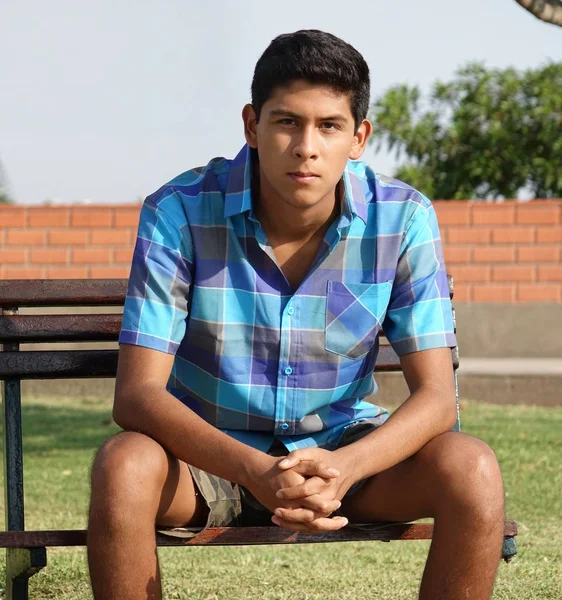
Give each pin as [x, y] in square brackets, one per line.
[17, 329]
[16, 365]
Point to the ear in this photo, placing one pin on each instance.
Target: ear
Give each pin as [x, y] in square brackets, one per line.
[250, 123]
[360, 139]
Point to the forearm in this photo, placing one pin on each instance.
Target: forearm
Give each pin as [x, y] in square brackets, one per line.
[156, 413]
[424, 415]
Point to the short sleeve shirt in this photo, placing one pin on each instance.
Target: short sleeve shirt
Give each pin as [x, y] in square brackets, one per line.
[255, 358]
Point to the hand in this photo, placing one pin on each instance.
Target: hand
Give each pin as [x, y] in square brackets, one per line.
[329, 477]
[267, 479]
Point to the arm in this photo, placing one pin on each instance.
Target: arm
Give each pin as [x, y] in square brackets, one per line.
[143, 404]
[429, 411]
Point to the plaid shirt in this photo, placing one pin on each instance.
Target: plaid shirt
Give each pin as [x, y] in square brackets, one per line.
[256, 359]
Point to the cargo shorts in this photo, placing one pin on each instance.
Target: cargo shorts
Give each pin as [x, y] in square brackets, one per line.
[232, 505]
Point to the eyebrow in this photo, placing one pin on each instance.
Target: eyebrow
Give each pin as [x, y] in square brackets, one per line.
[279, 112]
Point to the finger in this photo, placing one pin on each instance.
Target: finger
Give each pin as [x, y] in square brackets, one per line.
[316, 526]
[312, 467]
[319, 504]
[306, 515]
[311, 486]
[297, 515]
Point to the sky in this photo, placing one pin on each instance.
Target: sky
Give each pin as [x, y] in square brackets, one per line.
[103, 102]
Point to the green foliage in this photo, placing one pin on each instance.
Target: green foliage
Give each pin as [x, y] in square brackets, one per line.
[4, 196]
[489, 133]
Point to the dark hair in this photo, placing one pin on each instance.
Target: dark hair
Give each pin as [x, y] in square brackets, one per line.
[317, 57]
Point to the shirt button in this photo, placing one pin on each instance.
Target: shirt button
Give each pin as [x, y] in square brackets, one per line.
[290, 310]
[285, 426]
[288, 370]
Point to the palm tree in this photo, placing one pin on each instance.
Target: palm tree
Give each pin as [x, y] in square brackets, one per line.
[549, 11]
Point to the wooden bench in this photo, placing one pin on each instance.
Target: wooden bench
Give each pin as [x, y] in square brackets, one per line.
[26, 550]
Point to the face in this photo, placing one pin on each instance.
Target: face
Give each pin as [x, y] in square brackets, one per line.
[304, 137]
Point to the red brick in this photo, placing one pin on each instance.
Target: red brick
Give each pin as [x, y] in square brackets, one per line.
[550, 273]
[123, 256]
[462, 293]
[112, 237]
[456, 255]
[127, 217]
[494, 293]
[468, 235]
[513, 235]
[11, 256]
[538, 215]
[513, 273]
[69, 237]
[539, 293]
[493, 214]
[67, 273]
[91, 256]
[92, 217]
[494, 254]
[55, 216]
[537, 254]
[470, 273]
[48, 256]
[12, 217]
[549, 235]
[452, 212]
[26, 237]
[110, 272]
[24, 272]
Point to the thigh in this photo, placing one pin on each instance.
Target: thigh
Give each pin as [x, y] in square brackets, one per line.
[413, 489]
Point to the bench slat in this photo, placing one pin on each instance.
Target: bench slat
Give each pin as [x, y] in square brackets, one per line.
[74, 292]
[62, 292]
[70, 364]
[58, 364]
[227, 536]
[59, 328]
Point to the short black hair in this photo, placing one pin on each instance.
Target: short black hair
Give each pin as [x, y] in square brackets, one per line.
[317, 57]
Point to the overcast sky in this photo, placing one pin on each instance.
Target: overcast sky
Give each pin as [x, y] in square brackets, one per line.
[105, 101]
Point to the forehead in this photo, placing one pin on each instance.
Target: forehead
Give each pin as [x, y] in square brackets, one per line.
[307, 98]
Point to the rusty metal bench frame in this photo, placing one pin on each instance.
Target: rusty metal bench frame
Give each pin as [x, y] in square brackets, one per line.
[26, 550]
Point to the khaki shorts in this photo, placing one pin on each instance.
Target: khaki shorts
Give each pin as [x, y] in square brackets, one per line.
[232, 505]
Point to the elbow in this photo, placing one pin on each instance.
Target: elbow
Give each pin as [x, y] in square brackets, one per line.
[450, 412]
[123, 411]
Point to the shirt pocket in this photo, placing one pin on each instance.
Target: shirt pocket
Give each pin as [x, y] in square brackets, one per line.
[354, 316]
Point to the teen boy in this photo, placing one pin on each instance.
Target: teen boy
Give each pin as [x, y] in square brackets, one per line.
[257, 290]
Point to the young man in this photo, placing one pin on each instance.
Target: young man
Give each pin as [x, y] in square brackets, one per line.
[257, 291]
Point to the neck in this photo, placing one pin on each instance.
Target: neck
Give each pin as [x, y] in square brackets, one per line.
[287, 223]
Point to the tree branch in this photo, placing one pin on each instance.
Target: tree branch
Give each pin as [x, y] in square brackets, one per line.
[549, 11]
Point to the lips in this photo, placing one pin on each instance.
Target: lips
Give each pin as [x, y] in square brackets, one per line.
[303, 177]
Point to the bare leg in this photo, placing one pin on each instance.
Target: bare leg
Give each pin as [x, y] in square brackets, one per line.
[135, 485]
[455, 479]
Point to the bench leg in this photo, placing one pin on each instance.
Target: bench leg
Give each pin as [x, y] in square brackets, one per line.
[509, 548]
[21, 564]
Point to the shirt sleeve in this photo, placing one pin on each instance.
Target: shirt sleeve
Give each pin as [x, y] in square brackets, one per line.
[419, 314]
[156, 304]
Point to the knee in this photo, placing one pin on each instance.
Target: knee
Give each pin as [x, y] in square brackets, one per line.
[128, 466]
[470, 478]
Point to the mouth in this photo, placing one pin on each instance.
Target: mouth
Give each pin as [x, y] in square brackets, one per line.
[303, 177]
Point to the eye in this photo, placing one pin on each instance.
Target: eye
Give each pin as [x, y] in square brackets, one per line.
[286, 121]
[329, 126]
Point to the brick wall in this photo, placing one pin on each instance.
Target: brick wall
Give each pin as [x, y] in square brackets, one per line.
[509, 252]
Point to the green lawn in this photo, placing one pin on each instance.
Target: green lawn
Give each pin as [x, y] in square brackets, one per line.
[60, 439]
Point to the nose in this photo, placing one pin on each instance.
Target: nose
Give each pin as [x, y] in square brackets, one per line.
[306, 146]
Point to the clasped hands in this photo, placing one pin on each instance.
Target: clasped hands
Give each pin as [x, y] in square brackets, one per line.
[304, 488]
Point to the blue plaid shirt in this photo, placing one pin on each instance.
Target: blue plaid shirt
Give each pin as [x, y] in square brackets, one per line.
[256, 359]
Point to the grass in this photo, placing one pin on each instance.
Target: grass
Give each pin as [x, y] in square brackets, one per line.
[60, 438]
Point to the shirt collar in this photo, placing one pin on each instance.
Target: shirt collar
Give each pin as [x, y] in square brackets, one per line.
[238, 195]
